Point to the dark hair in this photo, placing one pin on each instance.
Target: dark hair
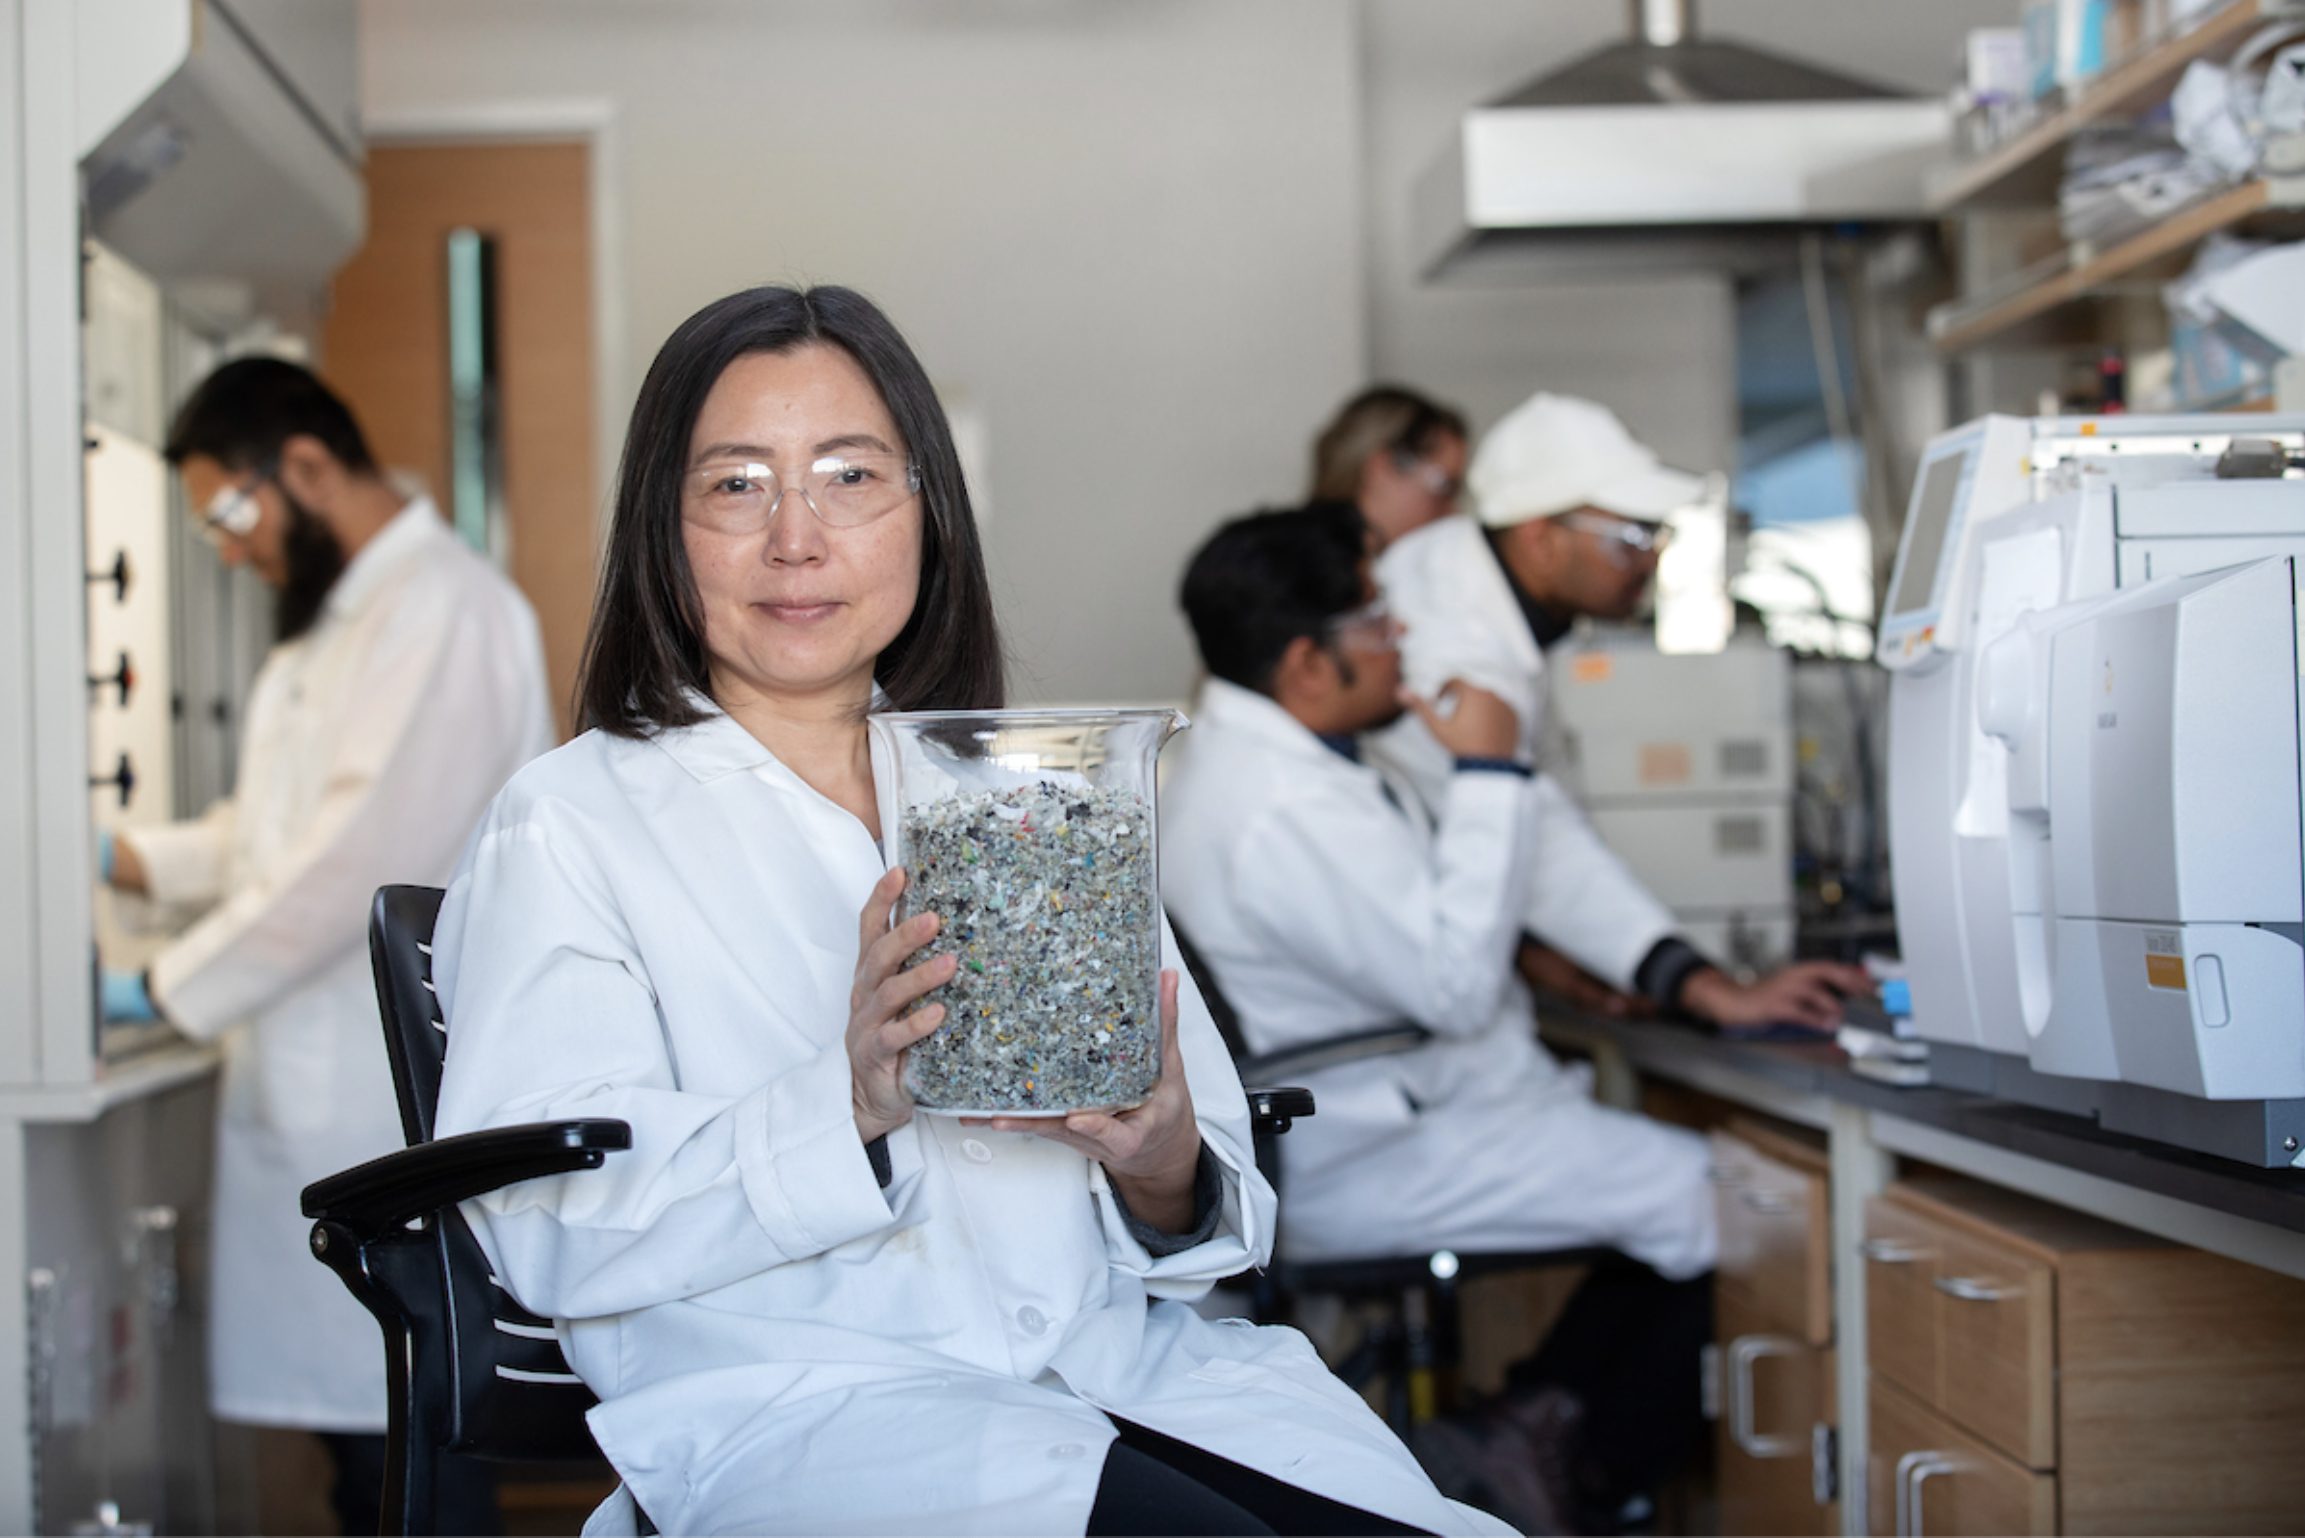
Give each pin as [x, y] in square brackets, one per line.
[1263, 580]
[1382, 418]
[645, 649]
[241, 414]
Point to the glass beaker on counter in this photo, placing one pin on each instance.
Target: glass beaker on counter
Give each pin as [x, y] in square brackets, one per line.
[1032, 835]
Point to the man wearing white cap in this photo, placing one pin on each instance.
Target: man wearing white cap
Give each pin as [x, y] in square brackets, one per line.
[1571, 509]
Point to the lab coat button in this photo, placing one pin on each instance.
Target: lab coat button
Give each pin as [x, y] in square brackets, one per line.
[1031, 1320]
[977, 1151]
[1066, 1452]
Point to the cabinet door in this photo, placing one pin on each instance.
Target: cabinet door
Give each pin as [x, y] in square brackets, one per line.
[1996, 1345]
[1926, 1478]
[1901, 1251]
[1775, 1244]
[1776, 1399]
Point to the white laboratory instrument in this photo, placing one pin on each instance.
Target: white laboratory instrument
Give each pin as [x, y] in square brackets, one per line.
[2093, 787]
[1684, 763]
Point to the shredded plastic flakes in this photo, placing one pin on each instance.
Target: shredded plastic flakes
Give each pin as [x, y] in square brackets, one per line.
[1046, 893]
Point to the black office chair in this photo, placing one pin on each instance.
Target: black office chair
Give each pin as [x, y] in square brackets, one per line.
[471, 1371]
[1417, 1346]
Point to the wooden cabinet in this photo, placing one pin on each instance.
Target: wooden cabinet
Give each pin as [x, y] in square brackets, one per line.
[2053, 1362]
[1773, 1320]
[1774, 1451]
[1774, 1215]
[1925, 1475]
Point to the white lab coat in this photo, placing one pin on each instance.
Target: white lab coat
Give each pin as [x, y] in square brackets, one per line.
[1444, 584]
[665, 931]
[373, 743]
[1323, 905]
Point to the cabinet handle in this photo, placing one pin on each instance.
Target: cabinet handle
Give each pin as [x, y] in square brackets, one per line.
[1768, 1203]
[1727, 1175]
[1975, 1289]
[1891, 1252]
[1914, 1471]
[1744, 1351]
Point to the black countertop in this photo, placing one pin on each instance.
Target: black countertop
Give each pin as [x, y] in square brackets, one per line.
[2273, 1197]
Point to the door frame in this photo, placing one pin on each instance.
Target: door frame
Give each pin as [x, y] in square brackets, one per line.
[593, 121]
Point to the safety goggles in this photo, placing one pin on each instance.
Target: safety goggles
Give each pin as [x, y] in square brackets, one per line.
[1430, 476]
[233, 512]
[1371, 627]
[1626, 536]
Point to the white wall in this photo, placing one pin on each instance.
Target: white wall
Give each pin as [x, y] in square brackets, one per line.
[1153, 243]
[1128, 235]
[1659, 350]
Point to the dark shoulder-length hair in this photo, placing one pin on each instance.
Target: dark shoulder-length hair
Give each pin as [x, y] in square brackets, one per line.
[645, 650]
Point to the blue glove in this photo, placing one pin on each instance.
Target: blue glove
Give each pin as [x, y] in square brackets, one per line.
[124, 998]
[104, 855]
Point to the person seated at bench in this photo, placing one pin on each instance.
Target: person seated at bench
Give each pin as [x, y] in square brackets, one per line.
[1327, 898]
[804, 1308]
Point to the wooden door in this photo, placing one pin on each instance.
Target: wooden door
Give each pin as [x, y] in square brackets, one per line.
[386, 349]
[1926, 1478]
[1776, 1411]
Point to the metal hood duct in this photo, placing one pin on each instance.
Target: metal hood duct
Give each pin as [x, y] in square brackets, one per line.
[1713, 142]
[210, 159]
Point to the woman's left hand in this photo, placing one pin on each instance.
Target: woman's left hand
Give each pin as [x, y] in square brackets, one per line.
[1151, 1152]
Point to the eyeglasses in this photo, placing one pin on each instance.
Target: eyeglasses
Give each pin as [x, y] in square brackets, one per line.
[233, 512]
[740, 496]
[1631, 538]
[1371, 627]
[1427, 474]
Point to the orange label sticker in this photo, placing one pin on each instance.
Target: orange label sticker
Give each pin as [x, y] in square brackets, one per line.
[1664, 763]
[2165, 972]
[1592, 668]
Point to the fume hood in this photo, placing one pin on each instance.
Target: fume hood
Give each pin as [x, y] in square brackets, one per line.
[1720, 146]
[220, 142]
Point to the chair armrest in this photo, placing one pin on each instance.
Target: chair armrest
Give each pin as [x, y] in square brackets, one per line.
[1275, 1110]
[1352, 1047]
[387, 1193]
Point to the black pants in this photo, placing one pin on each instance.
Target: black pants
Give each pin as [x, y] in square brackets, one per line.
[1628, 1346]
[1157, 1485]
[464, 1495]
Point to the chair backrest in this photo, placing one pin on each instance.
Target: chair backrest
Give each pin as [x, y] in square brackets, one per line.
[1220, 1008]
[1228, 1021]
[489, 1380]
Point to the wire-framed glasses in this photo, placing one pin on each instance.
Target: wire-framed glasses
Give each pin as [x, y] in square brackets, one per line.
[740, 496]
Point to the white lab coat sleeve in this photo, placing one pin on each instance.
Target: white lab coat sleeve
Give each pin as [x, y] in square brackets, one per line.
[184, 862]
[553, 1017]
[1244, 1231]
[1585, 902]
[429, 746]
[1430, 930]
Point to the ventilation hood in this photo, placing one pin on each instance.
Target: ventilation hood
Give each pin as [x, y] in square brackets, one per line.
[220, 151]
[1670, 135]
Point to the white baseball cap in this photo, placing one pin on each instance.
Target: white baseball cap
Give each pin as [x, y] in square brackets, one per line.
[1556, 453]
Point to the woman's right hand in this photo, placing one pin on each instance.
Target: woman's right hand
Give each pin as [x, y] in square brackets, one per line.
[878, 1029]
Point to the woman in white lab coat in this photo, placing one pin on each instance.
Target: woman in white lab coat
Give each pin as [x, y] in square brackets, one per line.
[804, 1307]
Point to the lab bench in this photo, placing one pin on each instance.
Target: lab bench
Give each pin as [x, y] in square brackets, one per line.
[1815, 1220]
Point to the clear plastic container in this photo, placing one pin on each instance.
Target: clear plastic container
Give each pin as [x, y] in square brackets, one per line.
[1032, 834]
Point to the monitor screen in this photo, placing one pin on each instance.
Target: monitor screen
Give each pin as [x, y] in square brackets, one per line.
[1927, 522]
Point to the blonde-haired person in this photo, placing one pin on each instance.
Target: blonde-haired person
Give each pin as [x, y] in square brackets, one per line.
[1397, 455]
